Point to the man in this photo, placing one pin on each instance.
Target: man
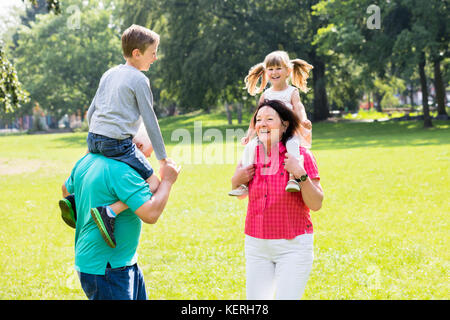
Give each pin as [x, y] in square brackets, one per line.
[112, 273]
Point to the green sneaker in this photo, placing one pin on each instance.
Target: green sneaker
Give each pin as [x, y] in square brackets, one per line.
[68, 210]
[105, 224]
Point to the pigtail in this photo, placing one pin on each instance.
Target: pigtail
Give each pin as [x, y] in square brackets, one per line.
[300, 73]
[251, 80]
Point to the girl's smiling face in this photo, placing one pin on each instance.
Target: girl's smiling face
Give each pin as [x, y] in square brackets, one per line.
[277, 75]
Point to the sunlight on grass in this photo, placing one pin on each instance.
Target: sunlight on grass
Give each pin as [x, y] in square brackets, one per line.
[382, 232]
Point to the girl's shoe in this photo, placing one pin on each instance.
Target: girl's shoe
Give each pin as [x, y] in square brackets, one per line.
[68, 210]
[242, 190]
[105, 224]
[292, 186]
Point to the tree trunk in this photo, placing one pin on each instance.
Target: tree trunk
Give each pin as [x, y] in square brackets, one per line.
[229, 115]
[378, 96]
[439, 87]
[172, 109]
[411, 93]
[320, 102]
[239, 112]
[423, 84]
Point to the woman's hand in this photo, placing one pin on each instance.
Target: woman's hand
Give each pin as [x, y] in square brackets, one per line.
[242, 175]
[245, 140]
[294, 166]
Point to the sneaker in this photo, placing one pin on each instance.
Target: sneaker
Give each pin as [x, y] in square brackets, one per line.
[68, 210]
[292, 186]
[242, 190]
[105, 224]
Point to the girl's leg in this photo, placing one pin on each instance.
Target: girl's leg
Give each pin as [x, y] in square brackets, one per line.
[293, 147]
[248, 158]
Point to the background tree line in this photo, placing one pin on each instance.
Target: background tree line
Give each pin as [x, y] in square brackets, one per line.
[207, 47]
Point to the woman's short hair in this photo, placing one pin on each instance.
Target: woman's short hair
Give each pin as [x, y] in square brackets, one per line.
[284, 113]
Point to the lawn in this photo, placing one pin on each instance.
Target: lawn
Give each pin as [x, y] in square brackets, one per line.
[382, 232]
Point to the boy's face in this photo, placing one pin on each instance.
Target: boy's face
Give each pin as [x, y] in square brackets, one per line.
[145, 59]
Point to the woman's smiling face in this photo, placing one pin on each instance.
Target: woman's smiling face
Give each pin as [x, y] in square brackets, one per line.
[268, 126]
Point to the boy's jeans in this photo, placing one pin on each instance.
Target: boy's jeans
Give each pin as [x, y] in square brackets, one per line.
[126, 283]
[121, 150]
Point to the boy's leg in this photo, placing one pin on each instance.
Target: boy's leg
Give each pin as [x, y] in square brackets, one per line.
[153, 183]
[68, 210]
[105, 220]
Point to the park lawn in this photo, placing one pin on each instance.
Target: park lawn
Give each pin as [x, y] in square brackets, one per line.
[382, 232]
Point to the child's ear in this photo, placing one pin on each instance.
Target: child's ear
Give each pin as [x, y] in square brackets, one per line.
[135, 53]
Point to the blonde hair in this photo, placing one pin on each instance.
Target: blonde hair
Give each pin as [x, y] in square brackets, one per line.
[299, 74]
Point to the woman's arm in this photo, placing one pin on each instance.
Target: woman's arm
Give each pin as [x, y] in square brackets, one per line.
[242, 175]
[311, 189]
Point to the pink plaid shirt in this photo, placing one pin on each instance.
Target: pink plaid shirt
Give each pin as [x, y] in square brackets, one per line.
[273, 213]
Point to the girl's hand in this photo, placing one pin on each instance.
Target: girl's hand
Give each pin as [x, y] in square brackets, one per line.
[245, 140]
[307, 124]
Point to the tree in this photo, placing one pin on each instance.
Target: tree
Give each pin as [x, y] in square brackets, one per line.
[12, 95]
[64, 77]
[211, 44]
[410, 31]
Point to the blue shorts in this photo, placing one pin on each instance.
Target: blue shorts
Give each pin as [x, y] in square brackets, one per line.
[121, 150]
[126, 283]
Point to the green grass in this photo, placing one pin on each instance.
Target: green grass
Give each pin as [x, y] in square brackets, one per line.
[382, 232]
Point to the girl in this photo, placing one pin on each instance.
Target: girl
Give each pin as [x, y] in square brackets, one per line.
[277, 68]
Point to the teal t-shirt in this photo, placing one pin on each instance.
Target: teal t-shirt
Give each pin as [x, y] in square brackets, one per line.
[96, 181]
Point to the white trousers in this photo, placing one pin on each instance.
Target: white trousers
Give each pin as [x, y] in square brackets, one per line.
[278, 268]
[248, 156]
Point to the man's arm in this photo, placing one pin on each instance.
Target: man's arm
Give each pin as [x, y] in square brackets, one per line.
[152, 209]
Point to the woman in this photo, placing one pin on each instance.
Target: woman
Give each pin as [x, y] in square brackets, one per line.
[278, 227]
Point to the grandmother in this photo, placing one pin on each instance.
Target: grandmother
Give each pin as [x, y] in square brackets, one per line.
[278, 226]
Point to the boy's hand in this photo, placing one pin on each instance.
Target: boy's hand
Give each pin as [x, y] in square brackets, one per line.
[163, 162]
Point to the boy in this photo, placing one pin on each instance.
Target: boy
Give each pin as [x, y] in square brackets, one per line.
[123, 100]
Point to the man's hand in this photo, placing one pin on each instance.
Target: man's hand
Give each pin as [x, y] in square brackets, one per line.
[169, 171]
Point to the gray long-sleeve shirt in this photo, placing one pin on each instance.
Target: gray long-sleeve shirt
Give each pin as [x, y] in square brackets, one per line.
[122, 101]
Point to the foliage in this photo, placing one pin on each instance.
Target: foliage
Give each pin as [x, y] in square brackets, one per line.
[73, 56]
[384, 240]
[12, 95]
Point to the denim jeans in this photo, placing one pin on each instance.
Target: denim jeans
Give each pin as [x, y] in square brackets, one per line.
[121, 150]
[125, 283]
